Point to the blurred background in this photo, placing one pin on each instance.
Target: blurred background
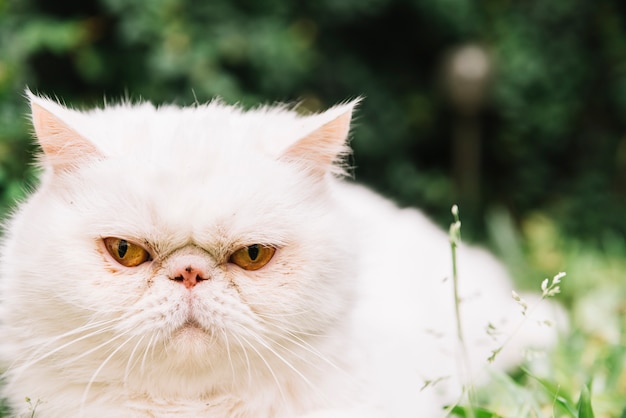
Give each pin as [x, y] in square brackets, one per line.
[514, 110]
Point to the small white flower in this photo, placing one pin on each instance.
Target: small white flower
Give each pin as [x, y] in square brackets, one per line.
[558, 277]
[551, 289]
[521, 302]
[494, 354]
[554, 291]
[455, 232]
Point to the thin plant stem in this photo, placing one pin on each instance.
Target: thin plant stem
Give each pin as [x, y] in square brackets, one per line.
[457, 298]
[465, 369]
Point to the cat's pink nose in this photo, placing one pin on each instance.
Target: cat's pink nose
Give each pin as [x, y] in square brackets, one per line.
[189, 276]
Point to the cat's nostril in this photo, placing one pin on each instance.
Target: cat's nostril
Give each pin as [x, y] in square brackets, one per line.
[189, 276]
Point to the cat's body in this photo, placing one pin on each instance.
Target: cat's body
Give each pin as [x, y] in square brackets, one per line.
[342, 305]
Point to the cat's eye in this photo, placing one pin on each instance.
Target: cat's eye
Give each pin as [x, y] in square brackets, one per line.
[126, 253]
[252, 257]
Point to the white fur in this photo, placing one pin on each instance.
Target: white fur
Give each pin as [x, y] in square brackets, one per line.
[349, 319]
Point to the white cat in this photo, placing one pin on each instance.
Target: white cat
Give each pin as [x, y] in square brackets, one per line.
[210, 262]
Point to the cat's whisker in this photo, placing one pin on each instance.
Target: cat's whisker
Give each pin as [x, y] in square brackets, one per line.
[296, 340]
[269, 368]
[247, 358]
[159, 339]
[300, 342]
[275, 342]
[316, 335]
[99, 369]
[96, 348]
[268, 321]
[165, 347]
[33, 359]
[129, 366]
[146, 350]
[230, 360]
[281, 315]
[86, 327]
[286, 362]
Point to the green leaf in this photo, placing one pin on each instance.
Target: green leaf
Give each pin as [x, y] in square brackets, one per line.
[554, 392]
[584, 403]
[469, 412]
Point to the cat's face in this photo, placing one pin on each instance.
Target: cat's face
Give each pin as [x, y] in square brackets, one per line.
[188, 232]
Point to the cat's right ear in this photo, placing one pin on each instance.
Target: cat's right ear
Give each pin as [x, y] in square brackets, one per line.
[63, 147]
[323, 150]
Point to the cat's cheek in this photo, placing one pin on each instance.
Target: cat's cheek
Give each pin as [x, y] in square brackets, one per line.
[218, 308]
[115, 287]
[266, 290]
[158, 308]
[252, 283]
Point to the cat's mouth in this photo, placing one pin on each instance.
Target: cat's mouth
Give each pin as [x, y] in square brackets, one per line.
[191, 323]
[191, 339]
[191, 329]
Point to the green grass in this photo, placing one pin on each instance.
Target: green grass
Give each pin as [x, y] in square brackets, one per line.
[584, 375]
[4, 408]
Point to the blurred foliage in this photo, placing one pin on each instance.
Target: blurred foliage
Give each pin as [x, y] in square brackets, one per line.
[551, 130]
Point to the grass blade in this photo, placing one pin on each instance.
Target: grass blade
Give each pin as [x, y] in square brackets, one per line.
[584, 403]
[466, 412]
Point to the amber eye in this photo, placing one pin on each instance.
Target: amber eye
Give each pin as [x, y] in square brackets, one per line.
[252, 257]
[126, 253]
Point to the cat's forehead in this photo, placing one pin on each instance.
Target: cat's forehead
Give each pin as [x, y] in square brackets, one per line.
[212, 128]
[192, 173]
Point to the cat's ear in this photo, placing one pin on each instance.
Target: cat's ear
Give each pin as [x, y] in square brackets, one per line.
[323, 150]
[64, 148]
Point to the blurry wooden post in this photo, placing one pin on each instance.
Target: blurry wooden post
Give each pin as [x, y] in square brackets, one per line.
[467, 75]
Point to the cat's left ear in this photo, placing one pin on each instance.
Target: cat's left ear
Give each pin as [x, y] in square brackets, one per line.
[64, 148]
[324, 149]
